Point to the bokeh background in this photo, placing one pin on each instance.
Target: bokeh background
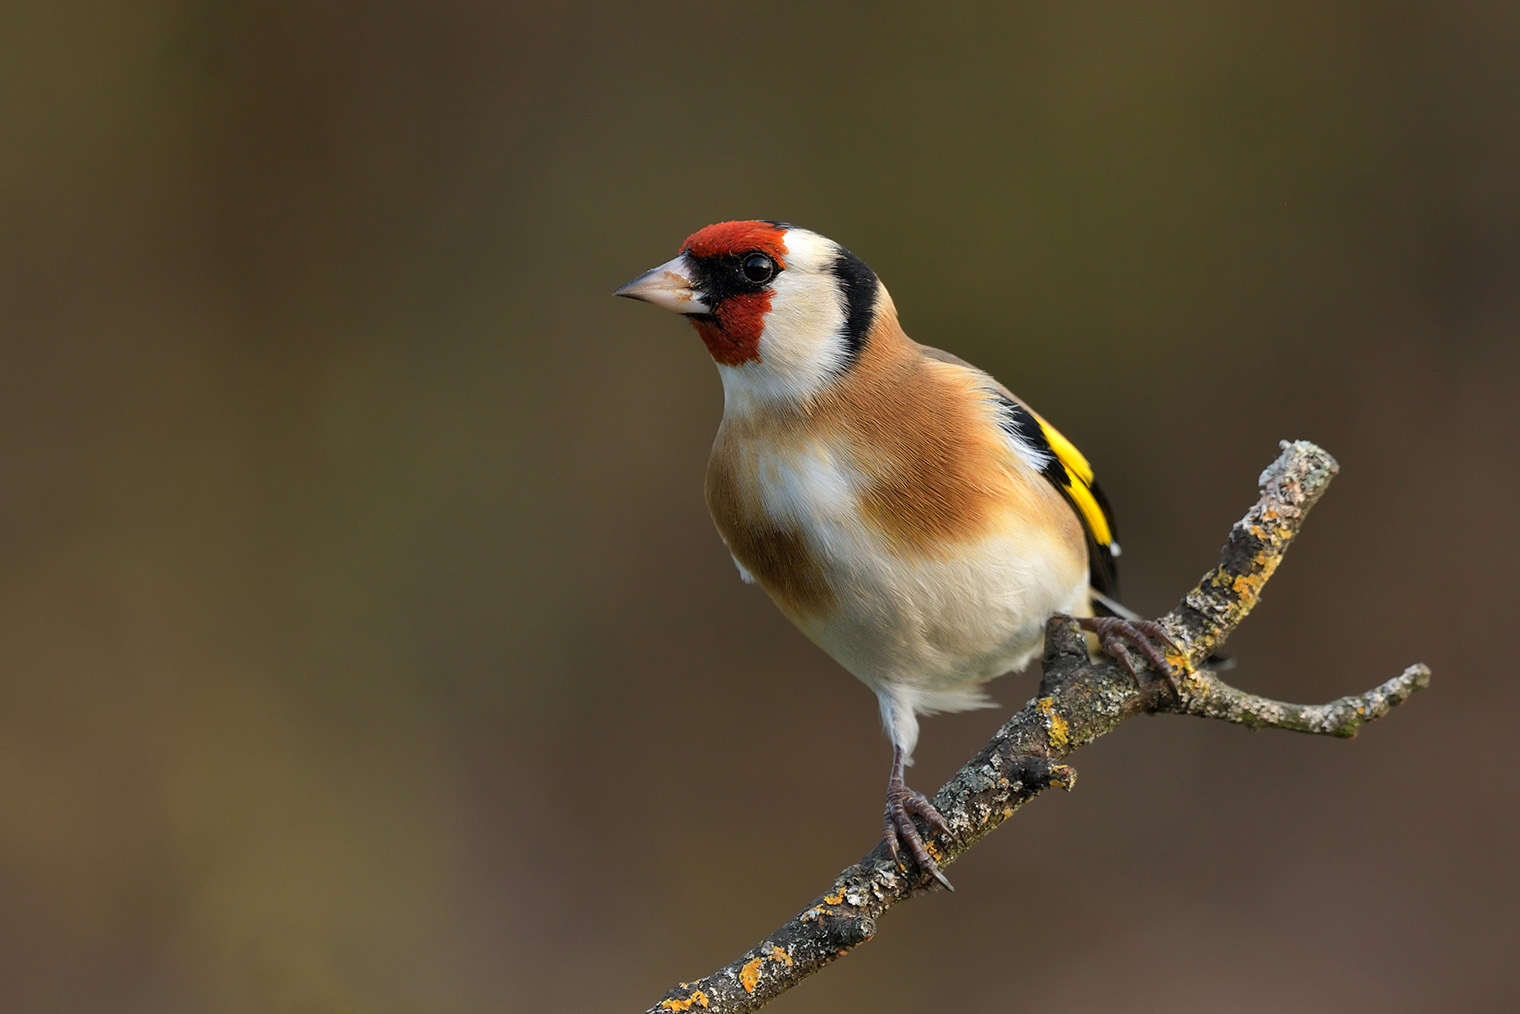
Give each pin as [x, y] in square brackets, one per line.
[366, 645]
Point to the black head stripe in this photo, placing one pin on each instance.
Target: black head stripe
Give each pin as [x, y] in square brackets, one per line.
[859, 285]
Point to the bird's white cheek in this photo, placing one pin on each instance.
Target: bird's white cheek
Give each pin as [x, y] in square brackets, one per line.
[800, 350]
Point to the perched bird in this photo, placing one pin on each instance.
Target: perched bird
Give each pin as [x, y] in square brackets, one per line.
[907, 512]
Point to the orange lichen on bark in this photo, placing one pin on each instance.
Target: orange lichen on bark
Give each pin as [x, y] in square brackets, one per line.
[1056, 726]
[697, 999]
[749, 975]
[1248, 586]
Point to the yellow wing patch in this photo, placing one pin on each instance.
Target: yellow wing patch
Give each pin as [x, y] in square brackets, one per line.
[1081, 487]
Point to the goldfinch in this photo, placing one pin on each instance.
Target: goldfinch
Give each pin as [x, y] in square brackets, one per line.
[908, 513]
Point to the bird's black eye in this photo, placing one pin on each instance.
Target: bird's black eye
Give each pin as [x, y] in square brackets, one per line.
[758, 268]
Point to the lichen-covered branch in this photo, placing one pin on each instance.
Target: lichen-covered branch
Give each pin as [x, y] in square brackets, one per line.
[1078, 701]
[1210, 697]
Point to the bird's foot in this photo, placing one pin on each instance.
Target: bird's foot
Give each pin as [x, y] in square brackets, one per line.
[897, 826]
[1113, 633]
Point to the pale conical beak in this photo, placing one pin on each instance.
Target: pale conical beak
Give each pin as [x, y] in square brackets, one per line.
[670, 285]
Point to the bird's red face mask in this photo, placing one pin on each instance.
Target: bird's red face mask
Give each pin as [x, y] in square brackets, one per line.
[721, 280]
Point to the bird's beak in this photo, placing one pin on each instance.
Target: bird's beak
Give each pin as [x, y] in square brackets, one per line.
[670, 285]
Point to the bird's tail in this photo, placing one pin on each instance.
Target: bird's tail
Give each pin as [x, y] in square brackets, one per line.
[1113, 607]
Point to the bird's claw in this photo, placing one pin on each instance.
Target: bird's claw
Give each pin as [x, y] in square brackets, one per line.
[897, 825]
[1112, 633]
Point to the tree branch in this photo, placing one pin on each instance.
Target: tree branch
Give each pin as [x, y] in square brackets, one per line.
[1078, 701]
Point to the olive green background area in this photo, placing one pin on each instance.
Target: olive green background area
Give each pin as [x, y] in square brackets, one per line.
[364, 642]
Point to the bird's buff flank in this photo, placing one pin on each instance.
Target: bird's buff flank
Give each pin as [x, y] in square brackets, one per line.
[906, 511]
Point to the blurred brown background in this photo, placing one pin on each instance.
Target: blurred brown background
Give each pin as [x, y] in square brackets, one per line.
[366, 645]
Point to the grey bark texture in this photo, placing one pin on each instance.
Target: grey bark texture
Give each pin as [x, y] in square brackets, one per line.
[1078, 701]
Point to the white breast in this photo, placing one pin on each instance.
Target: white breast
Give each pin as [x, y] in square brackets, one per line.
[924, 631]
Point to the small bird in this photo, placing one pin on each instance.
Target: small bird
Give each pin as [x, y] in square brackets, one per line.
[908, 513]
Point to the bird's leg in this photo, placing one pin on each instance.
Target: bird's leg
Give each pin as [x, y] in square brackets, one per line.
[1113, 632]
[902, 804]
